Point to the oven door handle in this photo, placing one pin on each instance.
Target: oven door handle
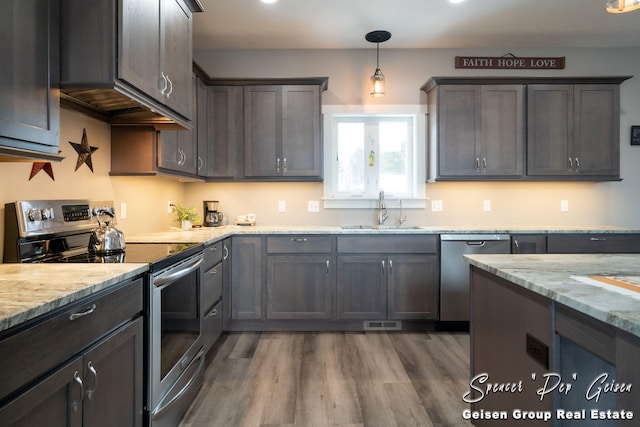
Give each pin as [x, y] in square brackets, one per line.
[199, 356]
[167, 278]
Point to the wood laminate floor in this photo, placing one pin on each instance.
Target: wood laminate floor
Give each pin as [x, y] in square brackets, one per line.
[331, 379]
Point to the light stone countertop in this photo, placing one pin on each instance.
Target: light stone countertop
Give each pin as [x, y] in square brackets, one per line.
[550, 275]
[210, 234]
[30, 290]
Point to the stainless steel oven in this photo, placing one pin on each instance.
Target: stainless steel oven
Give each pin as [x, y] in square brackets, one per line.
[176, 354]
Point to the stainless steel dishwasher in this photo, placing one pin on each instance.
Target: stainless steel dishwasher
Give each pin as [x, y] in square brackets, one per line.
[454, 271]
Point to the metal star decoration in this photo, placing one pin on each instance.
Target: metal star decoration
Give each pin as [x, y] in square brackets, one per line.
[84, 151]
[38, 166]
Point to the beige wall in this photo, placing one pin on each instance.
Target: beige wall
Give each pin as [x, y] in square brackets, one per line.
[614, 203]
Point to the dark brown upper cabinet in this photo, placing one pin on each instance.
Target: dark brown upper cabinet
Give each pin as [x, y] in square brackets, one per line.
[128, 61]
[29, 72]
[506, 128]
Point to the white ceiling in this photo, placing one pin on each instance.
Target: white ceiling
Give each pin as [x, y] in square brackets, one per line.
[342, 24]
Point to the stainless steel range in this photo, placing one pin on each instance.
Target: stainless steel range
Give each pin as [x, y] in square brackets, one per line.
[60, 231]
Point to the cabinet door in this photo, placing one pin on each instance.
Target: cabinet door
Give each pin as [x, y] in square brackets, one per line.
[176, 151]
[549, 129]
[596, 130]
[361, 287]
[413, 282]
[139, 52]
[176, 56]
[262, 131]
[458, 130]
[200, 125]
[113, 384]
[246, 278]
[299, 287]
[301, 142]
[502, 111]
[55, 401]
[224, 127]
[29, 72]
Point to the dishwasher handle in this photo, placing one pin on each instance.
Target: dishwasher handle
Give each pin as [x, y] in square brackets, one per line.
[475, 237]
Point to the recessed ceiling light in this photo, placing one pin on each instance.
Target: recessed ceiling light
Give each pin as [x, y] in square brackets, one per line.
[456, 1]
[268, 1]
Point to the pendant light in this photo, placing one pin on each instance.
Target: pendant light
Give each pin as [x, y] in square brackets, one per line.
[377, 79]
[622, 6]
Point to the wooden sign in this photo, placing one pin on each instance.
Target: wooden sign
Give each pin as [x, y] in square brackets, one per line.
[510, 63]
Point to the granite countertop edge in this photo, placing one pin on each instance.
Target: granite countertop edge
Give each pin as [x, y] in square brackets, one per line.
[550, 275]
[28, 291]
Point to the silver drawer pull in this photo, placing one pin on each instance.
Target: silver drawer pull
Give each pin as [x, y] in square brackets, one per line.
[598, 239]
[87, 312]
[298, 239]
[213, 312]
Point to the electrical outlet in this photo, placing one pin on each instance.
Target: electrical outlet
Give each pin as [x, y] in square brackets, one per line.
[282, 206]
[436, 206]
[564, 205]
[169, 207]
[313, 206]
[123, 210]
[486, 205]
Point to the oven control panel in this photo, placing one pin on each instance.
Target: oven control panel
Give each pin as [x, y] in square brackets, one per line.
[40, 217]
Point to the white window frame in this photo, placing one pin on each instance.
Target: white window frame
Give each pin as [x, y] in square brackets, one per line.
[417, 198]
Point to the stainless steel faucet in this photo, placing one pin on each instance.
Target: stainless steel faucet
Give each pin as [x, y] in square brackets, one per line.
[382, 209]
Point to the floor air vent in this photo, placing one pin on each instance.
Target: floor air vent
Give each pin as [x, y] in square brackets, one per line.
[382, 325]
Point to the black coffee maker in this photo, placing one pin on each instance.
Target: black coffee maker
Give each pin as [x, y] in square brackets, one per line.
[212, 217]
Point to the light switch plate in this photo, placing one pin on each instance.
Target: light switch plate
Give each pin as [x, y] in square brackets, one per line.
[282, 206]
[564, 205]
[313, 206]
[436, 206]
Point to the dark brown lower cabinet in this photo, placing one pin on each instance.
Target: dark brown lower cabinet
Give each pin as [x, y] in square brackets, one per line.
[103, 387]
[399, 286]
[299, 286]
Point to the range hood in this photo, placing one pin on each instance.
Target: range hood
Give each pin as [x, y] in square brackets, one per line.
[118, 105]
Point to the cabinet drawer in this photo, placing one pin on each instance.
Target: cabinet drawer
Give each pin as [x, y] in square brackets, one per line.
[298, 244]
[593, 243]
[375, 244]
[212, 255]
[38, 349]
[212, 325]
[211, 286]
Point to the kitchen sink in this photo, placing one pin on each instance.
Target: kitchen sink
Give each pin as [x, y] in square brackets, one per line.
[380, 227]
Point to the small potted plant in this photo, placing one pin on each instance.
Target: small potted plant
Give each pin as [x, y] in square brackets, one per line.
[186, 216]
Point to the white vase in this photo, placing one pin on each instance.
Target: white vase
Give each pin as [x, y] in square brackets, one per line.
[186, 225]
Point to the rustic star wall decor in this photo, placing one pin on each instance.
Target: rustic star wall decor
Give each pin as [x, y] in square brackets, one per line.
[38, 166]
[84, 151]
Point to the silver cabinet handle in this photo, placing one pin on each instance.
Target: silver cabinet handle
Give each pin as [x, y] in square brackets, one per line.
[516, 245]
[298, 239]
[570, 164]
[484, 164]
[477, 164]
[278, 165]
[87, 312]
[213, 313]
[165, 82]
[170, 87]
[91, 369]
[577, 164]
[598, 239]
[284, 165]
[327, 266]
[75, 405]
[382, 263]
[226, 252]
[390, 266]
[200, 163]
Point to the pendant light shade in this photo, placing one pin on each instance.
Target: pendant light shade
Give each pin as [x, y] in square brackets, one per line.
[377, 79]
[622, 6]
